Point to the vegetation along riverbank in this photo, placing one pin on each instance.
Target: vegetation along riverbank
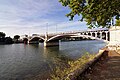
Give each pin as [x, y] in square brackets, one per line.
[77, 69]
[9, 40]
[104, 65]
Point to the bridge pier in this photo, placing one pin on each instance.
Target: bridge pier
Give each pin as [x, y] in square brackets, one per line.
[95, 34]
[106, 35]
[50, 44]
[100, 35]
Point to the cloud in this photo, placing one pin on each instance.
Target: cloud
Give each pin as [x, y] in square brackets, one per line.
[22, 9]
[31, 16]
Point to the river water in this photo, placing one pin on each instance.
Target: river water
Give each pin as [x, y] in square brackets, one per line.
[20, 61]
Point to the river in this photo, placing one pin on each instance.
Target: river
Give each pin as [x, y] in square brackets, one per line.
[20, 61]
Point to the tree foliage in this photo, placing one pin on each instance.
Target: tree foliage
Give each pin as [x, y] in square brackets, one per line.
[94, 12]
[8, 40]
[2, 35]
[117, 23]
[5, 40]
[16, 37]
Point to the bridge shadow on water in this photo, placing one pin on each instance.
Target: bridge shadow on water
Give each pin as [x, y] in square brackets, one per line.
[55, 52]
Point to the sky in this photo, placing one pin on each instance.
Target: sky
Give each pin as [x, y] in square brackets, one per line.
[19, 17]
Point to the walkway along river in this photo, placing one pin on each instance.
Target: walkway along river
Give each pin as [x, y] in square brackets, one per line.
[19, 61]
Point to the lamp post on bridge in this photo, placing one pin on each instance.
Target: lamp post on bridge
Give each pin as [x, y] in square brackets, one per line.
[46, 28]
[46, 34]
[56, 28]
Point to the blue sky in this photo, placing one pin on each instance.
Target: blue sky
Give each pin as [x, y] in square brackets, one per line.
[32, 16]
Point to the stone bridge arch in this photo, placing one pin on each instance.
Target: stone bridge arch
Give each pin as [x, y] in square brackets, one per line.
[36, 38]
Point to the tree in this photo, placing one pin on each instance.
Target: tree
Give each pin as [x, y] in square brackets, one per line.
[95, 12]
[2, 35]
[117, 23]
[8, 40]
[16, 37]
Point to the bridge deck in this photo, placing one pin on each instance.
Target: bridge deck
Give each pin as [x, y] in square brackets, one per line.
[108, 69]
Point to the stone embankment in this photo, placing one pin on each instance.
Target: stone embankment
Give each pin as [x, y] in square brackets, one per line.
[107, 67]
[78, 74]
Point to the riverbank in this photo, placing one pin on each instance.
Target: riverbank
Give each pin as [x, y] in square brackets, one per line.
[78, 68]
[104, 66]
[107, 68]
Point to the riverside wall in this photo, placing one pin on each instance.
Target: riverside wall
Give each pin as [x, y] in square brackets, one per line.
[80, 72]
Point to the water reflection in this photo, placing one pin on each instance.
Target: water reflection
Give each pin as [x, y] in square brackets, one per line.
[34, 45]
[51, 51]
[54, 54]
[19, 61]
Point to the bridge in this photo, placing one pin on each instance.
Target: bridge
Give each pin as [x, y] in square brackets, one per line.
[53, 39]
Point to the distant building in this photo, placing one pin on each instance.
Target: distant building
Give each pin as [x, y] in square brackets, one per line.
[114, 35]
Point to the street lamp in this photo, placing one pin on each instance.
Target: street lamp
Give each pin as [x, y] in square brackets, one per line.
[46, 28]
[56, 28]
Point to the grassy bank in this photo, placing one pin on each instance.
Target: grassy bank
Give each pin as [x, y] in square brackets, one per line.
[64, 74]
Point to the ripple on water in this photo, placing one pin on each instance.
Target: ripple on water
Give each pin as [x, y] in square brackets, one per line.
[20, 61]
